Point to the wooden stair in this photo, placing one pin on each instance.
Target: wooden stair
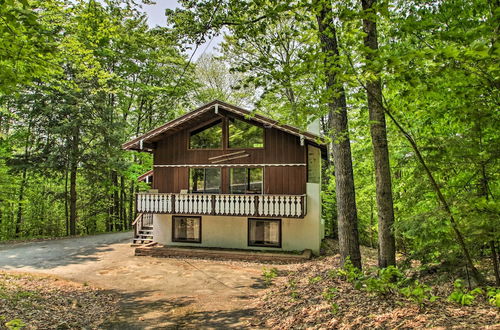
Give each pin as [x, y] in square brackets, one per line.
[143, 229]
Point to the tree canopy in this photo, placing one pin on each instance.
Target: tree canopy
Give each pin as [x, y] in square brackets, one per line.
[78, 78]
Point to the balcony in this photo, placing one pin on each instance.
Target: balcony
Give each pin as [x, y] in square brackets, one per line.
[288, 206]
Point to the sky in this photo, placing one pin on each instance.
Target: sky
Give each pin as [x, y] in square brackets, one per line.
[156, 17]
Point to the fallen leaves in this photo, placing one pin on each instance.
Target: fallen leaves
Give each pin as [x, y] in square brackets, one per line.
[308, 297]
[45, 302]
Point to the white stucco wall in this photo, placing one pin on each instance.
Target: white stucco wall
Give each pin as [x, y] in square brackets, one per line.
[231, 232]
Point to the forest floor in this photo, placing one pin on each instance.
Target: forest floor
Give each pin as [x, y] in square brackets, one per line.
[152, 292]
[42, 301]
[147, 293]
[312, 295]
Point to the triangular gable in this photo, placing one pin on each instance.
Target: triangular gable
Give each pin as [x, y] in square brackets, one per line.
[142, 142]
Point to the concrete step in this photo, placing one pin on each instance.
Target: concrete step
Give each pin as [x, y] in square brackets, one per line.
[142, 240]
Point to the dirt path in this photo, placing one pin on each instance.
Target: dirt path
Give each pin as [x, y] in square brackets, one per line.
[167, 293]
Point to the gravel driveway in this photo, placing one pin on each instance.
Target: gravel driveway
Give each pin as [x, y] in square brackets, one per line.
[166, 293]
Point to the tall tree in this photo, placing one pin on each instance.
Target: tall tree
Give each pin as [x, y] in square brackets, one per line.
[342, 160]
[378, 131]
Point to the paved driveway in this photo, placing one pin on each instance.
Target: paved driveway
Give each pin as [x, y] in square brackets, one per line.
[167, 293]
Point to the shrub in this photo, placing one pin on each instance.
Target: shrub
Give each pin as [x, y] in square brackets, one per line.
[494, 296]
[463, 296]
[269, 275]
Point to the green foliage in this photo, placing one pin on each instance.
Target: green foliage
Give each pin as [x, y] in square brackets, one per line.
[94, 73]
[493, 295]
[330, 293]
[315, 279]
[15, 324]
[388, 281]
[418, 293]
[462, 295]
[269, 274]
[349, 273]
[334, 308]
[67, 103]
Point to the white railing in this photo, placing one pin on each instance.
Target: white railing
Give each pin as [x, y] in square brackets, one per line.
[147, 220]
[290, 206]
[154, 203]
[281, 205]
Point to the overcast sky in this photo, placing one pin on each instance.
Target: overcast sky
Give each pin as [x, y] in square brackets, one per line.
[156, 16]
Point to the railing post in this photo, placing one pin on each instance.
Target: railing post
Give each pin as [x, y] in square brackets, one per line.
[136, 205]
[212, 201]
[304, 205]
[173, 204]
[256, 205]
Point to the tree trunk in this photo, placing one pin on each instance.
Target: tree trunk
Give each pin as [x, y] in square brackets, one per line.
[454, 225]
[116, 201]
[378, 131]
[19, 217]
[73, 168]
[123, 208]
[344, 179]
[131, 204]
[66, 206]
[494, 258]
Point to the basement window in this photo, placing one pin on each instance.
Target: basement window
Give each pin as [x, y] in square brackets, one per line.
[243, 135]
[207, 137]
[264, 232]
[186, 229]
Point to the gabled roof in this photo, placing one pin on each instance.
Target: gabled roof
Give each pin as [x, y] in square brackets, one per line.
[143, 142]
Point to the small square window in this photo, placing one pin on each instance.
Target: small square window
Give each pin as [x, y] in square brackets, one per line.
[186, 229]
[264, 232]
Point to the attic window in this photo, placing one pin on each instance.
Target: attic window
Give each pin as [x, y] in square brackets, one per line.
[245, 135]
[207, 137]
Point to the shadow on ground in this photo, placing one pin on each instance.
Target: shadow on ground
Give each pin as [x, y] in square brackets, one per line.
[51, 254]
[142, 310]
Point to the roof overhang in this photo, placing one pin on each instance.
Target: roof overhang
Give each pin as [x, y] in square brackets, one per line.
[146, 142]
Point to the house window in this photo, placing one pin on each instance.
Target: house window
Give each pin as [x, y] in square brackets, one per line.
[186, 229]
[207, 137]
[264, 232]
[245, 180]
[244, 135]
[204, 180]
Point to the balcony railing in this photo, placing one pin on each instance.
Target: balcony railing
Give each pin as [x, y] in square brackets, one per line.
[289, 206]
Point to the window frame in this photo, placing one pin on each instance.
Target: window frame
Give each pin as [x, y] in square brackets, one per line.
[247, 168]
[176, 240]
[280, 235]
[208, 125]
[220, 169]
[228, 135]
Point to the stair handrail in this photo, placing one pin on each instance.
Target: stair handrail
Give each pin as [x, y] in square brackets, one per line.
[139, 216]
[137, 224]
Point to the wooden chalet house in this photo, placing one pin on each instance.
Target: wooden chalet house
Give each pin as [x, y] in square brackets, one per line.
[225, 177]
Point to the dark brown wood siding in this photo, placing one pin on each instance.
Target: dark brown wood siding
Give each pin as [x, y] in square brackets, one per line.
[279, 148]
